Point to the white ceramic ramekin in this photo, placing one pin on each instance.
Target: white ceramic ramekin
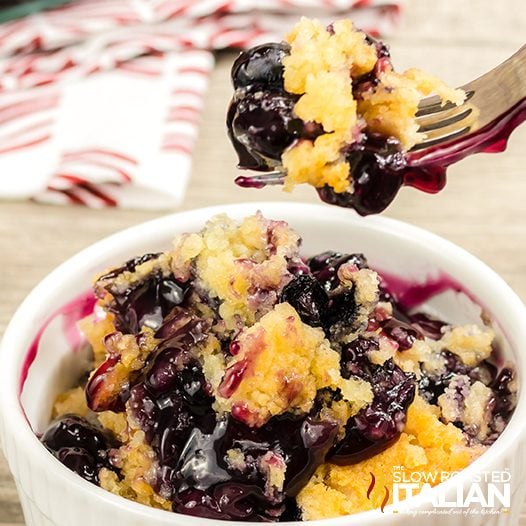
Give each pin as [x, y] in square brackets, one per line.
[51, 495]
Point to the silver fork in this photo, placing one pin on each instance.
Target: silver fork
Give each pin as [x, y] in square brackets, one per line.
[495, 105]
[488, 99]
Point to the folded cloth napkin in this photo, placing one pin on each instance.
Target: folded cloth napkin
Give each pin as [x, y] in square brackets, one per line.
[100, 100]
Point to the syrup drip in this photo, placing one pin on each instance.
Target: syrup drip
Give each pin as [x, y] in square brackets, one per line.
[71, 312]
[427, 168]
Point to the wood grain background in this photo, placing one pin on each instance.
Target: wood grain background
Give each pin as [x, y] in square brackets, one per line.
[482, 209]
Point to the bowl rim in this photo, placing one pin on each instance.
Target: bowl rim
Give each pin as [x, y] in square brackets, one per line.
[11, 409]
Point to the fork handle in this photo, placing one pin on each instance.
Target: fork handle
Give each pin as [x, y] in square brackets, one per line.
[500, 89]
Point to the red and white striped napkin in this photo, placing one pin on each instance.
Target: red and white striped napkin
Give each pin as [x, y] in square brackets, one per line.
[100, 100]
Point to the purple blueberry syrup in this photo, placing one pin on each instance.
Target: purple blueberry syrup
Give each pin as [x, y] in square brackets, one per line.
[71, 313]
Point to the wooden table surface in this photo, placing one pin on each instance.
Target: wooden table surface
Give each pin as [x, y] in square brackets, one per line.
[482, 209]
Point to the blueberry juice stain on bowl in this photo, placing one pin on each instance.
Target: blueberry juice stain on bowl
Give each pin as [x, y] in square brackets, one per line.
[288, 97]
[234, 379]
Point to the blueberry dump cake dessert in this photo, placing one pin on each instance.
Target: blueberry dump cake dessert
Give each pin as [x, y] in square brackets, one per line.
[326, 108]
[233, 378]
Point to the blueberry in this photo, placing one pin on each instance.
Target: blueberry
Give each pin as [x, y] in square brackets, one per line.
[163, 372]
[504, 395]
[79, 445]
[325, 267]
[206, 484]
[81, 462]
[260, 66]
[144, 303]
[377, 171]
[144, 410]
[302, 442]
[402, 333]
[342, 308]
[150, 303]
[317, 437]
[181, 330]
[297, 266]
[195, 389]
[172, 398]
[454, 365]
[103, 393]
[198, 463]
[503, 400]
[227, 502]
[354, 360]
[431, 386]
[175, 369]
[376, 426]
[309, 299]
[74, 431]
[264, 122]
[260, 119]
[317, 308]
[199, 504]
[203, 483]
[248, 160]
[174, 427]
[429, 327]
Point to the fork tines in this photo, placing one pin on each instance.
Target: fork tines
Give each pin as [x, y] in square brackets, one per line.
[441, 122]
